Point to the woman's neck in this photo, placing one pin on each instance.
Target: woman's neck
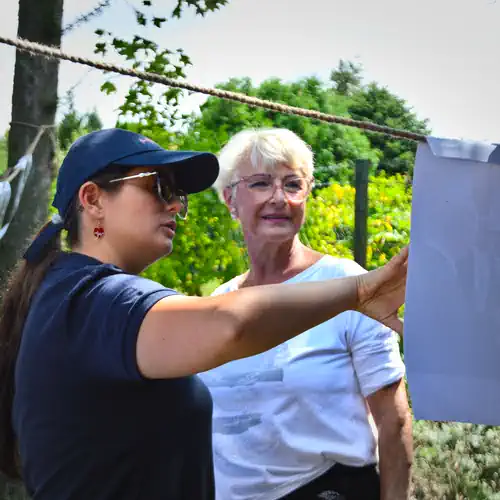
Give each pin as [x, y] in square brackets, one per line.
[272, 262]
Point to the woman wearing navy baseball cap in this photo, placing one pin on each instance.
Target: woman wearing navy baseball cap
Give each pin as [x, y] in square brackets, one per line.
[99, 396]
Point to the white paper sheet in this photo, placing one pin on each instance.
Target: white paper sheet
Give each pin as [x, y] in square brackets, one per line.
[452, 312]
[5, 193]
[12, 196]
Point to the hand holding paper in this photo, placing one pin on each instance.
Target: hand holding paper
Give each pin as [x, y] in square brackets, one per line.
[382, 292]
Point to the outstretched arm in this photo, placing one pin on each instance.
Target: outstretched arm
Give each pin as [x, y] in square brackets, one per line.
[187, 335]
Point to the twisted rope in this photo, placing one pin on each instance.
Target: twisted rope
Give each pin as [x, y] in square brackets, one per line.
[55, 53]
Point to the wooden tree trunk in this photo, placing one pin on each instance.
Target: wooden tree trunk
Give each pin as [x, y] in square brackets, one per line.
[34, 101]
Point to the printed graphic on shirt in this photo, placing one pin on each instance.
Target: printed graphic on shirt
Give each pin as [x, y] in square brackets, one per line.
[249, 378]
[331, 495]
[237, 424]
[267, 368]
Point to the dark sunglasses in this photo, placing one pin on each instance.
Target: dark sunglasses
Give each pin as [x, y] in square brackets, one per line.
[163, 189]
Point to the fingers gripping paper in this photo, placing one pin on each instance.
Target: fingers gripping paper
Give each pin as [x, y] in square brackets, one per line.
[452, 312]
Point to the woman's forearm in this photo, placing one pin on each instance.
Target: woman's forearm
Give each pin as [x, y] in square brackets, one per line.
[266, 316]
[185, 335]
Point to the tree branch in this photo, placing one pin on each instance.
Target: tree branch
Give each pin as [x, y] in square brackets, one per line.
[84, 18]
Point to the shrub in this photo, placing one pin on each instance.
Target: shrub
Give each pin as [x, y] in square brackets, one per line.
[208, 249]
[330, 219]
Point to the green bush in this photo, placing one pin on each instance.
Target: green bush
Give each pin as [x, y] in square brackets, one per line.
[456, 461]
[330, 219]
[208, 249]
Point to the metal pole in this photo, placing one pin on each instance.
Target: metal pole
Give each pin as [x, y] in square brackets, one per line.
[361, 212]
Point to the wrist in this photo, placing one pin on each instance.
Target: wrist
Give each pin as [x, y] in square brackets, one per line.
[349, 292]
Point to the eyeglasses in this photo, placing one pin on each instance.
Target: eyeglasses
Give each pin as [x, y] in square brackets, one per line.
[163, 189]
[262, 186]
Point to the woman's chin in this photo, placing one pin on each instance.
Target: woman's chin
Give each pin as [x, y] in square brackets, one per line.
[159, 250]
[276, 233]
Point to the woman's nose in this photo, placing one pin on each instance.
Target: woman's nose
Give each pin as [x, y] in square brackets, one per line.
[174, 205]
[278, 195]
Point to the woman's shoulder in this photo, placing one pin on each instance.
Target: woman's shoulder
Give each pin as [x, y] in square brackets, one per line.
[326, 267]
[87, 275]
[336, 267]
[229, 286]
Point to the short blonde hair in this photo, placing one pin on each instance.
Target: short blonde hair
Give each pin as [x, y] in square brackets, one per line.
[265, 147]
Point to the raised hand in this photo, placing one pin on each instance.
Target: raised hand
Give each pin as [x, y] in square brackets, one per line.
[381, 292]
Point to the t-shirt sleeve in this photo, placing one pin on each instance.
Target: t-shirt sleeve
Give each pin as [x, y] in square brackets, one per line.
[226, 287]
[375, 353]
[110, 311]
[374, 347]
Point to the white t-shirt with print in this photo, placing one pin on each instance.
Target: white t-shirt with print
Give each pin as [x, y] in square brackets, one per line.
[283, 417]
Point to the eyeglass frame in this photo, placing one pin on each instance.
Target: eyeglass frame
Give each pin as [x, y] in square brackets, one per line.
[175, 193]
[308, 180]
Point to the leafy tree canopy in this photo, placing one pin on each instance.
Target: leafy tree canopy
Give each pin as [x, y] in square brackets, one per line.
[335, 147]
[145, 54]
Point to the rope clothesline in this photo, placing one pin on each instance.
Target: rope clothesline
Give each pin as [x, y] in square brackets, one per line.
[55, 53]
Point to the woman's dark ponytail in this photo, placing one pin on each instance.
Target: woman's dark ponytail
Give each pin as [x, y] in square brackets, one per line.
[14, 308]
[21, 287]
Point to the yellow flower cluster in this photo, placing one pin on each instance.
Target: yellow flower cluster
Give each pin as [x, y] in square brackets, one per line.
[329, 226]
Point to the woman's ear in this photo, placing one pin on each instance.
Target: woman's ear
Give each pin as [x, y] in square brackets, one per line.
[90, 197]
[230, 202]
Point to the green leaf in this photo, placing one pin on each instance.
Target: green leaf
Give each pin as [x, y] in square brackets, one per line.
[185, 59]
[100, 48]
[108, 87]
[141, 18]
[145, 55]
[158, 21]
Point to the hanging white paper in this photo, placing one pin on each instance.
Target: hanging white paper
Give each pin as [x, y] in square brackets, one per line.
[5, 193]
[24, 164]
[452, 312]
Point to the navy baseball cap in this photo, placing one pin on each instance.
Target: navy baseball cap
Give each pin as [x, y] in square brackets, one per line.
[93, 153]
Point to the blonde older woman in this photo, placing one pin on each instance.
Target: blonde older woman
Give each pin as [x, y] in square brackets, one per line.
[323, 415]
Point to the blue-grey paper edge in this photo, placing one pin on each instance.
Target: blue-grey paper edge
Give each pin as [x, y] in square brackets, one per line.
[464, 149]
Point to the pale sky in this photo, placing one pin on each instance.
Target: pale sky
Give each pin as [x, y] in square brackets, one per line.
[439, 55]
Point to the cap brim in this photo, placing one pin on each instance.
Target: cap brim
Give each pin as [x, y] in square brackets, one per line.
[194, 171]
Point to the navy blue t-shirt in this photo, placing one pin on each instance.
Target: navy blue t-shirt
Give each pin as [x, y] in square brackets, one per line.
[89, 426]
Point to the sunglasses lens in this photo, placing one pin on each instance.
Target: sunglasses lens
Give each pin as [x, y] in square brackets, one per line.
[167, 193]
[184, 206]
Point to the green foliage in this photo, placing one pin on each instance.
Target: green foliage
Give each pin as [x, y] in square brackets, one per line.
[3, 155]
[378, 105]
[456, 461]
[336, 148]
[75, 124]
[347, 77]
[208, 249]
[330, 219]
[144, 54]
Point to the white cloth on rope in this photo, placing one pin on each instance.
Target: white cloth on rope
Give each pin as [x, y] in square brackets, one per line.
[10, 196]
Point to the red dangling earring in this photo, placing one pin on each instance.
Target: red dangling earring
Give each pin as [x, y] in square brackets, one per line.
[98, 231]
